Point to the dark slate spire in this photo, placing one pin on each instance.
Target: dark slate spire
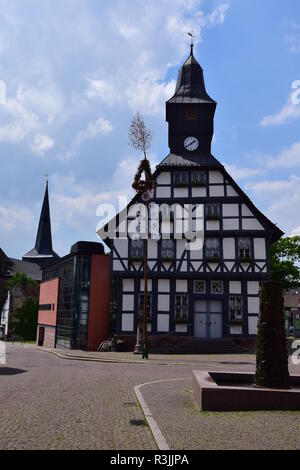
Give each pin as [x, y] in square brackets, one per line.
[190, 86]
[42, 253]
[43, 244]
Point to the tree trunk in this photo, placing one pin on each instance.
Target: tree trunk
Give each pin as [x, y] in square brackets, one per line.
[272, 355]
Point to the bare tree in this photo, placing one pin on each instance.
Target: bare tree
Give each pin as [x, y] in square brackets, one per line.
[139, 136]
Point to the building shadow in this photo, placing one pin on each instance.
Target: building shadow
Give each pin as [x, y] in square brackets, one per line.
[11, 371]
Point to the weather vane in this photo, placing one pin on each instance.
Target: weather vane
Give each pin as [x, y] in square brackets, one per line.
[191, 34]
[47, 176]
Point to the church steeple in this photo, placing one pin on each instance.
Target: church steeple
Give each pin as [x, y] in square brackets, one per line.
[190, 112]
[43, 253]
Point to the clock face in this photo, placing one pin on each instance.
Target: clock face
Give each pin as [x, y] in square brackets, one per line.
[191, 143]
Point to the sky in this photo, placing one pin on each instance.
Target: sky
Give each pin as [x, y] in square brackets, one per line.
[76, 71]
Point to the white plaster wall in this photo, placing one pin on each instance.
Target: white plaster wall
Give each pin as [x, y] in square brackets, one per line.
[235, 287]
[163, 323]
[230, 210]
[163, 191]
[259, 248]
[181, 285]
[180, 247]
[246, 211]
[252, 325]
[253, 287]
[181, 328]
[164, 178]
[127, 321]
[216, 191]
[199, 192]
[163, 285]
[121, 245]
[152, 249]
[230, 224]
[128, 285]
[231, 192]
[236, 330]
[251, 224]
[212, 225]
[215, 177]
[149, 285]
[253, 305]
[117, 266]
[128, 302]
[163, 302]
[228, 248]
[181, 192]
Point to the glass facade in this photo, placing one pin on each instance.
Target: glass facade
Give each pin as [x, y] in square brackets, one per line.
[73, 300]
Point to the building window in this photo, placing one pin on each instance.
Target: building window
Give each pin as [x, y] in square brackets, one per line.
[236, 308]
[141, 305]
[45, 307]
[181, 307]
[191, 113]
[212, 249]
[168, 249]
[244, 247]
[200, 287]
[212, 211]
[198, 178]
[181, 178]
[217, 287]
[137, 249]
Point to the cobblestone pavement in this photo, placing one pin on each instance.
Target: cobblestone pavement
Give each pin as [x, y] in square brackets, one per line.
[54, 403]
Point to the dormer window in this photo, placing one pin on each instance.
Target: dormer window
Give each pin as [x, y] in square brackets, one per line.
[198, 178]
[244, 247]
[181, 178]
[212, 211]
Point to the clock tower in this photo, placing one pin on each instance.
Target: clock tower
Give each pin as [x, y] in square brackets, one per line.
[190, 113]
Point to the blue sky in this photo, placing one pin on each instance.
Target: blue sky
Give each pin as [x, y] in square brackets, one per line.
[76, 71]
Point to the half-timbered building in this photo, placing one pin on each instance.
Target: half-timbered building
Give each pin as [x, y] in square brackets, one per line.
[211, 292]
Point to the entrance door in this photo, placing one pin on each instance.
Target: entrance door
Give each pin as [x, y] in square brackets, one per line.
[208, 319]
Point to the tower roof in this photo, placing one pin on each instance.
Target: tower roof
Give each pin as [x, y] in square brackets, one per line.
[190, 86]
[43, 244]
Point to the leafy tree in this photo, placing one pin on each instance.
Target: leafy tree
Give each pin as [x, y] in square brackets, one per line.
[25, 321]
[285, 257]
[20, 279]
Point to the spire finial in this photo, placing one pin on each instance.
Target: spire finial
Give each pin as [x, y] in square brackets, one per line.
[191, 34]
[46, 176]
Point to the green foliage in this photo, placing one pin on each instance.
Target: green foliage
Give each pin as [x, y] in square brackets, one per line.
[25, 322]
[285, 255]
[20, 279]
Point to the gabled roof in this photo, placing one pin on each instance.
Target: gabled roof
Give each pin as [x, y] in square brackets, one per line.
[190, 86]
[189, 160]
[32, 270]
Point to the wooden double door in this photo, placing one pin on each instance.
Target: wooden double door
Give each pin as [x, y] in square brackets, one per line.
[208, 319]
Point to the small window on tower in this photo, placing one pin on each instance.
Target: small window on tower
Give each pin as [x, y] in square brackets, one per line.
[191, 113]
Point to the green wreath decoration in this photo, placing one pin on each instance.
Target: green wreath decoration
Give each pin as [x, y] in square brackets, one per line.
[147, 184]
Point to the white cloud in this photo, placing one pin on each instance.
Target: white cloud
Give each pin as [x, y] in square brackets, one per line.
[292, 36]
[41, 144]
[288, 112]
[13, 217]
[242, 172]
[218, 15]
[289, 157]
[279, 200]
